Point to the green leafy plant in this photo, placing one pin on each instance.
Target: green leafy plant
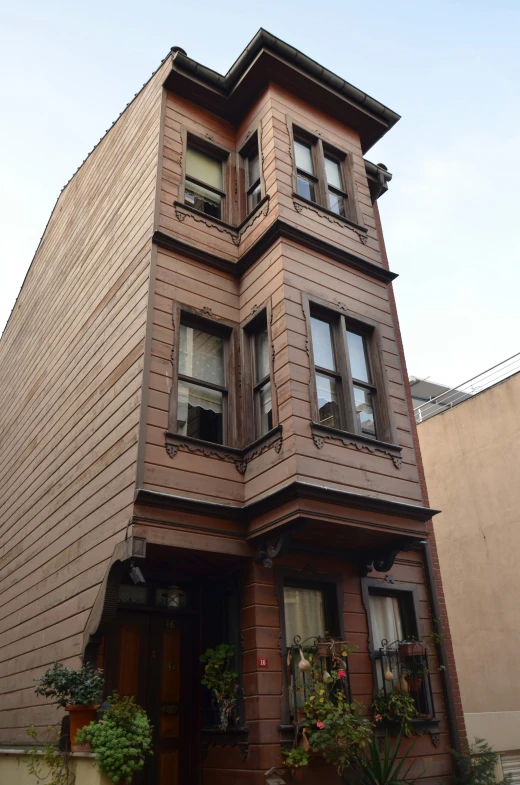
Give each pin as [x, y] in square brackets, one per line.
[296, 758]
[49, 763]
[477, 766]
[221, 680]
[121, 740]
[371, 768]
[396, 707]
[336, 728]
[71, 686]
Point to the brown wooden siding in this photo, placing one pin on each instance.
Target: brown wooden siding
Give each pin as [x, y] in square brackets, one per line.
[70, 392]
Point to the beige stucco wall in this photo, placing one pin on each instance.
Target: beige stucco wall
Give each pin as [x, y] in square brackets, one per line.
[471, 458]
[14, 771]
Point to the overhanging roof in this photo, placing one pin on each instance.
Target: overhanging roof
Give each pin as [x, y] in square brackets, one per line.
[267, 58]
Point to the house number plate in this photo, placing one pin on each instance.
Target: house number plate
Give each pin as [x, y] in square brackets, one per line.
[262, 662]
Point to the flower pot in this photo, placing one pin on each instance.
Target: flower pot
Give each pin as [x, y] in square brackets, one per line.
[412, 649]
[80, 715]
[414, 683]
[327, 648]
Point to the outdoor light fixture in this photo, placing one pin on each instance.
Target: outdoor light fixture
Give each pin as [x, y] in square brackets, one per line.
[136, 575]
[176, 597]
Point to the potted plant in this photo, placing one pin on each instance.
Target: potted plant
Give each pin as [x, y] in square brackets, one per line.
[337, 649]
[414, 677]
[371, 768]
[121, 740]
[221, 680]
[79, 691]
[396, 707]
[411, 648]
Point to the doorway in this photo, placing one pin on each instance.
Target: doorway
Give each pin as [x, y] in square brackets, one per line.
[153, 657]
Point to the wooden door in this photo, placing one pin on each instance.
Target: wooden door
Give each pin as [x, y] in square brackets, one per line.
[153, 659]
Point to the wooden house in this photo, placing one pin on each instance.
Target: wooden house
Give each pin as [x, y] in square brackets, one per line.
[206, 423]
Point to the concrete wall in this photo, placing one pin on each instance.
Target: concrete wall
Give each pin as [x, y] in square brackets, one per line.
[471, 458]
[14, 770]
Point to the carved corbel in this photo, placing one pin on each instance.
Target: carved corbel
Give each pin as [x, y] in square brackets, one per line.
[270, 549]
[382, 559]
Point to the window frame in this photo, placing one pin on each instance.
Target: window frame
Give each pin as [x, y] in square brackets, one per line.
[226, 156]
[244, 155]
[322, 148]
[192, 317]
[250, 327]
[342, 319]
[329, 583]
[411, 617]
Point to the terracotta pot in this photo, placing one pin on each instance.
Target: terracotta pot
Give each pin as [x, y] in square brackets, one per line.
[415, 683]
[411, 649]
[80, 715]
[323, 649]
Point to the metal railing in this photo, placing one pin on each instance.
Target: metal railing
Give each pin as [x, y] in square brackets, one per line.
[301, 682]
[404, 667]
[446, 400]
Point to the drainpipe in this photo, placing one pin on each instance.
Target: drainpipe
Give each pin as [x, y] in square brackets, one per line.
[431, 585]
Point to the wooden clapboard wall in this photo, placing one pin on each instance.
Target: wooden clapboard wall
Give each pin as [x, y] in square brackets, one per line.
[70, 392]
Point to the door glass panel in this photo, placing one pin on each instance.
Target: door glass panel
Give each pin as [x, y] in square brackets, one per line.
[364, 411]
[201, 355]
[199, 412]
[304, 613]
[306, 188]
[322, 344]
[357, 356]
[328, 408]
[303, 156]
[333, 172]
[261, 355]
[266, 409]
[204, 167]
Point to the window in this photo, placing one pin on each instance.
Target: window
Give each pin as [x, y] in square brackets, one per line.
[345, 393]
[257, 378]
[322, 174]
[202, 391]
[252, 175]
[204, 183]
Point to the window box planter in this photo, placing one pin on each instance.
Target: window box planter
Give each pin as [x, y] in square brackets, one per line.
[411, 649]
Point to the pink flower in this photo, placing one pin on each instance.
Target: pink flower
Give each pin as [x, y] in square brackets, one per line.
[378, 718]
[341, 674]
[320, 724]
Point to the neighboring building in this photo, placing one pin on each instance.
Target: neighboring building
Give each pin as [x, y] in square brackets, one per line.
[428, 398]
[471, 456]
[202, 383]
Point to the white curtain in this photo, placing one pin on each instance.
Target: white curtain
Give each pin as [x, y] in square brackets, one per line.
[386, 619]
[304, 613]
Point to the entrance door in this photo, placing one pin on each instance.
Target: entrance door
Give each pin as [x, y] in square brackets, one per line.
[153, 659]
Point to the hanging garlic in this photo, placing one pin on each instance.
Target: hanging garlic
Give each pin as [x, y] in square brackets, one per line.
[389, 676]
[404, 684]
[304, 664]
[326, 677]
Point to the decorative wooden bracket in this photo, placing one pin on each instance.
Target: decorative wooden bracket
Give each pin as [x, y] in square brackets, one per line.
[382, 559]
[271, 548]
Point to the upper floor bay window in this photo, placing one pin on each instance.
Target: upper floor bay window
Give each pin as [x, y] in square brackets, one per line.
[345, 391]
[204, 182]
[322, 175]
[202, 384]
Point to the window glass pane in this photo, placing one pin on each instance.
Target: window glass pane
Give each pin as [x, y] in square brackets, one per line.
[386, 619]
[255, 196]
[202, 199]
[303, 156]
[254, 169]
[357, 356]
[266, 409]
[304, 613]
[261, 355]
[322, 344]
[306, 188]
[201, 355]
[336, 203]
[333, 172]
[199, 412]
[328, 407]
[204, 167]
[364, 411]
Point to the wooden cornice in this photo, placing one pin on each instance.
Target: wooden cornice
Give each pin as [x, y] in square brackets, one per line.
[294, 490]
[279, 229]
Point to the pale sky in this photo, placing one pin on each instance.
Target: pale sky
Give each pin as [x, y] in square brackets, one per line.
[451, 69]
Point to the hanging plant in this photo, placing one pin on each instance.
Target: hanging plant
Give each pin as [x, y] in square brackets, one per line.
[221, 680]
